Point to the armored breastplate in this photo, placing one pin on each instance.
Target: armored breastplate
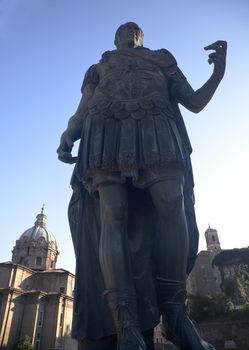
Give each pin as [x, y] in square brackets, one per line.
[130, 84]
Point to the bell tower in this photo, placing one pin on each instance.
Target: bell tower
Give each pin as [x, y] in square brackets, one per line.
[212, 240]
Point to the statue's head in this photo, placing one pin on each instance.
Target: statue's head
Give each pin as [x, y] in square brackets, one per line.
[129, 35]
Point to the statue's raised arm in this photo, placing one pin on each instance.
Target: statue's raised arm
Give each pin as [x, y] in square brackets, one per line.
[195, 101]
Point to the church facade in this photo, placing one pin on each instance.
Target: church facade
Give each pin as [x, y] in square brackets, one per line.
[36, 299]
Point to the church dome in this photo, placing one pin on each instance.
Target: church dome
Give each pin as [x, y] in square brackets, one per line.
[39, 231]
[37, 246]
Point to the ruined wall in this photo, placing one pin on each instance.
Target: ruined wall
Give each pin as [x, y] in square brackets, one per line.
[220, 332]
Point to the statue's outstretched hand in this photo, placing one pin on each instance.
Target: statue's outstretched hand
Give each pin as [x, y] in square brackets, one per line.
[218, 58]
[65, 149]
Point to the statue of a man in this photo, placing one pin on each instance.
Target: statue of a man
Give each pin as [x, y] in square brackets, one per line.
[135, 153]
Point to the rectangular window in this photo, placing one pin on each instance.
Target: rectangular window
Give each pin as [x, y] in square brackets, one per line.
[40, 319]
[38, 261]
[61, 320]
[37, 345]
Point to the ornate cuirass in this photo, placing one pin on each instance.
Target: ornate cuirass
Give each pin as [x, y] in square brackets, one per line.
[131, 84]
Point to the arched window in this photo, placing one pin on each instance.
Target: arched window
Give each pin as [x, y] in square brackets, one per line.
[38, 260]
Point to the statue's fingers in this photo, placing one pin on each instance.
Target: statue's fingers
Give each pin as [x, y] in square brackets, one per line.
[218, 45]
[64, 155]
[68, 160]
[222, 44]
[69, 143]
[209, 47]
[212, 57]
[73, 160]
[216, 58]
[213, 46]
[61, 150]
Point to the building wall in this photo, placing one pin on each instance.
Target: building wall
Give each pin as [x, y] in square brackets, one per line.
[5, 305]
[70, 285]
[21, 254]
[204, 278]
[5, 275]
[220, 332]
[12, 321]
[52, 281]
[15, 276]
[18, 276]
[21, 277]
[51, 318]
[159, 337]
[29, 322]
[67, 341]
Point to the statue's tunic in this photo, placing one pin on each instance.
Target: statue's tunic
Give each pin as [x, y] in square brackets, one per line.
[130, 125]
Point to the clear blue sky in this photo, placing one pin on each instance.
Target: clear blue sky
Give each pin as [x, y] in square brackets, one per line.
[46, 47]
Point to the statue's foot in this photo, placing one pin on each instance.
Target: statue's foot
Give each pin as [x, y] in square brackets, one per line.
[148, 337]
[123, 306]
[191, 338]
[181, 331]
[131, 339]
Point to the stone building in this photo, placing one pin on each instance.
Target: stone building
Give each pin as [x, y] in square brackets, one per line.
[36, 299]
[233, 265]
[205, 279]
[160, 342]
[213, 267]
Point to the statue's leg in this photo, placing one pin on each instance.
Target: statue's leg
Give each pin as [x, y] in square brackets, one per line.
[116, 266]
[172, 238]
[171, 260]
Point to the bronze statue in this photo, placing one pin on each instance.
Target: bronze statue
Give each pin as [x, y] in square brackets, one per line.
[132, 211]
